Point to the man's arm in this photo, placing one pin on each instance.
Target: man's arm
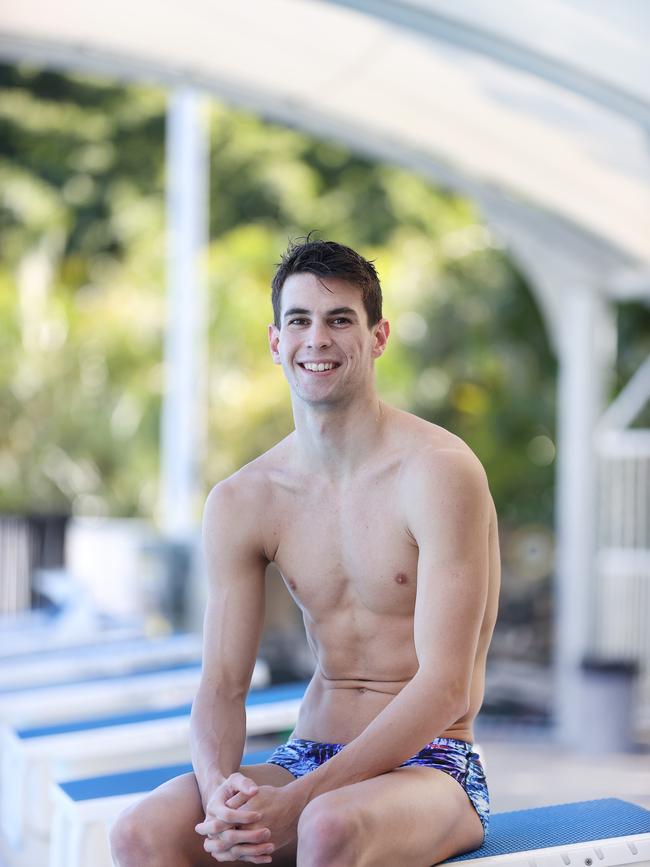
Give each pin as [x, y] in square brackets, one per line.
[447, 506]
[235, 563]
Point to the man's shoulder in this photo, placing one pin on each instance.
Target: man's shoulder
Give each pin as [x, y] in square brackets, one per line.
[250, 487]
[237, 509]
[441, 478]
[423, 439]
[429, 450]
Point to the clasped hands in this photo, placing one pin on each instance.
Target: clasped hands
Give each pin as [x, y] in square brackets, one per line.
[268, 822]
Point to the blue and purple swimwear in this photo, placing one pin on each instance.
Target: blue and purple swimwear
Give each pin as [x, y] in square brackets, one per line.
[453, 756]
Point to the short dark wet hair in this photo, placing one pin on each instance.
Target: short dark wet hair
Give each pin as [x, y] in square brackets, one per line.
[328, 259]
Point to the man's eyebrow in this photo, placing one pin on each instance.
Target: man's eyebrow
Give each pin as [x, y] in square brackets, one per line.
[336, 311]
[350, 311]
[295, 310]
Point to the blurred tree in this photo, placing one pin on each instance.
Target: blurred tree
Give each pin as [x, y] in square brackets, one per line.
[81, 220]
[488, 374]
[82, 299]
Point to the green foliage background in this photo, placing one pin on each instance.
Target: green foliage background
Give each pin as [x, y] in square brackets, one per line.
[82, 299]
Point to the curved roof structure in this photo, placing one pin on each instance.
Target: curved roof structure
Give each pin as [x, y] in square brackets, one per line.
[540, 112]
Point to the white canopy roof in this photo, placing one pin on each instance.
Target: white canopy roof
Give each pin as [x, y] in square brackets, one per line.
[539, 111]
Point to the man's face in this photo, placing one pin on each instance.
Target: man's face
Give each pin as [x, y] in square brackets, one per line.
[324, 344]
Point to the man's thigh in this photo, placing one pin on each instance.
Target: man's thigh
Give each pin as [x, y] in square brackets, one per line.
[415, 815]
[175, 808]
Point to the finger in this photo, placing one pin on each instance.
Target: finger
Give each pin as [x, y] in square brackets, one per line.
[251, 859]
[262, 859]
[213, 828]
[210, 826]
[242, 784]
[237, 801]
[240, 852]
[225, 818]
[234, 837]
[220, 846]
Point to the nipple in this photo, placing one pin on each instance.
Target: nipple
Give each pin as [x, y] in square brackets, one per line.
[401, 578]
[292, 584]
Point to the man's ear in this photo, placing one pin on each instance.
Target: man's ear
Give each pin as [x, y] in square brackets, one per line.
[381, 332]
[274, 340]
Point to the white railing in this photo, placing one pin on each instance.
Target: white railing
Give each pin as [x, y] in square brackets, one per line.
[621, 622]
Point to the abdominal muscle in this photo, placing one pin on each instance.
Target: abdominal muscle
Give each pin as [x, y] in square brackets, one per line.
[337, 710]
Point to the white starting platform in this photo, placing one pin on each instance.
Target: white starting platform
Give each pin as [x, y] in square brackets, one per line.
[605, 833]
[34, 757]
[153, 688]
[64, 664]
[84, 810]
[602, 833]
[18, 641]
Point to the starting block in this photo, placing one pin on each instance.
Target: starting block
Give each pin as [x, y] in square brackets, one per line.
[61, 702]
[608, 832]
[84, 810]
[85, 663]
[34, 757]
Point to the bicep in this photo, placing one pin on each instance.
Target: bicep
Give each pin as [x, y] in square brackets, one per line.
[449, 519]
[234, 614]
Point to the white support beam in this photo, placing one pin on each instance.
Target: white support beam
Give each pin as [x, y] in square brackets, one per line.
[628, 402]
[183, 410]
[486, 38]
[631, 284]
[587, 355]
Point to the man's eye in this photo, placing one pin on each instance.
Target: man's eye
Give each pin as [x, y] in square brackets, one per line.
[341, 320]
[297, 321]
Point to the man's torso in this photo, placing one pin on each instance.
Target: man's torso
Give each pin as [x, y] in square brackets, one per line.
[348, 560]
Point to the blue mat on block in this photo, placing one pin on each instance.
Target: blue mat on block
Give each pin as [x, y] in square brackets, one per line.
[103, 722]
[142, 780]
[560, 825]
[281, 692]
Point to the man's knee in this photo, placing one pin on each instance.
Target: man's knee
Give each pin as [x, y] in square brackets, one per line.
[329, 832]
[134, 839]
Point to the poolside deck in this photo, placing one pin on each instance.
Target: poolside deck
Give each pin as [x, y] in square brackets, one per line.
[523, 773]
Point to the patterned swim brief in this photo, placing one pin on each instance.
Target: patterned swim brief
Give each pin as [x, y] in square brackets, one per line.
[453, 756]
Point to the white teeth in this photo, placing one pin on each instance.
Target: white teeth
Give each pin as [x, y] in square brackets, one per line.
[318, 367]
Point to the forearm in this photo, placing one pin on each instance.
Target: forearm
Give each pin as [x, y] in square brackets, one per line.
[418, 714]
[217, 737]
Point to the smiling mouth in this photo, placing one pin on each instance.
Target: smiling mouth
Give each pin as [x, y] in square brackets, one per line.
[319, 366]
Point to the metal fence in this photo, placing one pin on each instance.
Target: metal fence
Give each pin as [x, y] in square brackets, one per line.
[621, 627]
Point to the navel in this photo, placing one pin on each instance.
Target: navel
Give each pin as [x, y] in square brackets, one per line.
[401, 578]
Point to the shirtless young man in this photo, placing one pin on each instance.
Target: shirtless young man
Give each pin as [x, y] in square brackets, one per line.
[385, 532]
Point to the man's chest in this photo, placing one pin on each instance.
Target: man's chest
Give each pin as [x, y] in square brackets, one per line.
[347, 549]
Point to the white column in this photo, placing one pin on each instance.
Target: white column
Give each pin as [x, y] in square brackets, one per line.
[587, 343]
[183, 409]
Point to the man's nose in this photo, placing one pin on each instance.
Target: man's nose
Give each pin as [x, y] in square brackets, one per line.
[319, 335]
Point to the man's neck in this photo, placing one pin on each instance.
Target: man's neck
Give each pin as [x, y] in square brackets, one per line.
[335, 440]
